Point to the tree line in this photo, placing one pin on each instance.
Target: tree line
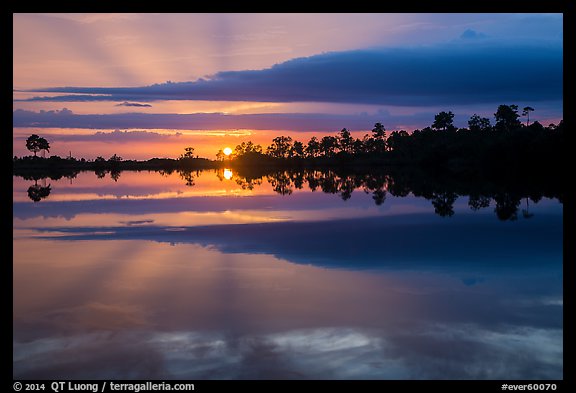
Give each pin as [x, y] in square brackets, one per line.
[441, 143]
[482, 146]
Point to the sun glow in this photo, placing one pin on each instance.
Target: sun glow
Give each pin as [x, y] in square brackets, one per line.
[227, 174]
[227, 151]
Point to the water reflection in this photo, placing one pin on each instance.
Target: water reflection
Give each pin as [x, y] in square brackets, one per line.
[322, 353]
[292, 275]
[377, 184]
[37, 192]
[136, 309]
[358, 243]
[188, 177]
[227, 174]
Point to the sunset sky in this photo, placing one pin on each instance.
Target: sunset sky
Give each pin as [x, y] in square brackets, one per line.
[148, 85]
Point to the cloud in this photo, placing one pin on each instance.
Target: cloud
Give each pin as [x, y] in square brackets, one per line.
[454, 73]
[205, 121]
[470, 34]
[115, 136]
[56, 112]
[136, 104]
[137, 222]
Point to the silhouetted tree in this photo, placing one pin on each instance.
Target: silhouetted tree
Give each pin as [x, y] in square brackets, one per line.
[345, 141]
[368, 144]
[328, 145]
[297, 150]
[247, 148]
[280, 147]
[477, 123]
[526, 112]
[313, 148]
[507, 118]
[379, 131]
[443, 121]
[220, 155]
[115, 159]
[35, 143]
[378, 138]
[397, 142]
[189, 152]
[358, 147]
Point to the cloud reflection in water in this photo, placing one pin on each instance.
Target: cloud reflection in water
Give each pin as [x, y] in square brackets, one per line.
[431, 352]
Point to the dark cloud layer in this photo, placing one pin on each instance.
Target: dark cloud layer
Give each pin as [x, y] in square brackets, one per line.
[136, 104]
[203, 121]
[482, 71]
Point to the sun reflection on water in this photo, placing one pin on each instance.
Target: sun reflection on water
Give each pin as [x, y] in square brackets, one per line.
[228, 173]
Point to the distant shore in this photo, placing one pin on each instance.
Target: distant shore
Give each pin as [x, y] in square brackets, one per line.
[509, 150]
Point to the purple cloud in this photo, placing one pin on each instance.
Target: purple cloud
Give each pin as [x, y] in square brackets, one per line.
[203, 121]
[136, 104]
[116, 136]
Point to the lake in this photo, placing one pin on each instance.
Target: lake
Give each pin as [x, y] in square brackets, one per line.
[308, 275]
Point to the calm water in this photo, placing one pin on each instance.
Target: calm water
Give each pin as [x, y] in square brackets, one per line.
[212, 276]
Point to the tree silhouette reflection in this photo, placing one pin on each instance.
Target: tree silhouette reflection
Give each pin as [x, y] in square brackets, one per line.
[347, 186]
[477, 202]
[115, 174]
[526, 212]
[379, 196]
[506, 206]
[441, 192]
[248, 184]
[36, 192]
[281, 183]
[399, 184]
[100, 173]
[189, 177]
[444, 203]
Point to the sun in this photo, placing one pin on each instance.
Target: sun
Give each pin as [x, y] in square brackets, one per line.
[227, 151]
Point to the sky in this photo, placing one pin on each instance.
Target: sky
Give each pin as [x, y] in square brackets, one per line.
[148, 85]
